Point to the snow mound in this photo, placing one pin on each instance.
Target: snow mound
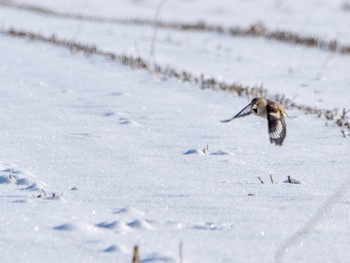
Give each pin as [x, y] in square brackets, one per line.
[206, 151]
[206, 226]
[117, 248]
[10, 170]
[58, 197]
[10, 174]
[124, 121]
[81, 227]
[291, 180]
[24, 181]
[195, 151]
[155, 257]
[220, 152]
[140, 225]
[35, 187]
[6, 179]
[118, 226]
[23, 201]
[108, 114]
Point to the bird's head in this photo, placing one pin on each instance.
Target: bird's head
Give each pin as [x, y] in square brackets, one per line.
[258, 105]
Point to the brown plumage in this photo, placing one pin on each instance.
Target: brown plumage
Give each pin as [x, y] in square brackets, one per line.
[273, 112]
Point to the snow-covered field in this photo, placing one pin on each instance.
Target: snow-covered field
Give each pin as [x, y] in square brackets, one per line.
[93, 161]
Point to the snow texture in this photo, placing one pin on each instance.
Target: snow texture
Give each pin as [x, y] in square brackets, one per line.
[97, 157]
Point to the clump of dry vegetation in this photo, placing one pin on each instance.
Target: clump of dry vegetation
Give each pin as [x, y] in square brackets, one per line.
[254, 30]
[182, 76]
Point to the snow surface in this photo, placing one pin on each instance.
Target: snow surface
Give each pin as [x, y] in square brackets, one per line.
[96, 158]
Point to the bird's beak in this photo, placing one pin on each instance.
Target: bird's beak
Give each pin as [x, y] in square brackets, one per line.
[254, 108]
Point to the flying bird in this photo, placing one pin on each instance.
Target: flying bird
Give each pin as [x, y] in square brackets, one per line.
[273, 112]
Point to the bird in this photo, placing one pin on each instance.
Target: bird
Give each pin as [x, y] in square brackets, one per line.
[272, 111]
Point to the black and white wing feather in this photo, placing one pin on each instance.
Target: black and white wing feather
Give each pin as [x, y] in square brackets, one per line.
[245, 112]
[276, 125]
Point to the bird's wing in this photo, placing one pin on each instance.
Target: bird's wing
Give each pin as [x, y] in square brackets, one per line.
[276, 125]
[245, 112]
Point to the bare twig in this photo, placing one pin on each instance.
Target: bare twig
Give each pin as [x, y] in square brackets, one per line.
[136, 256]
[180, 253]
[155, 29]
[343, 133]
[271, 178]
[289, 180]
[261, 181]
[306, 229]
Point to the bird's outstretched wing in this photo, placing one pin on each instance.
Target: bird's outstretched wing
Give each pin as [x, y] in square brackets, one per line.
[245, 112]
[276, 125]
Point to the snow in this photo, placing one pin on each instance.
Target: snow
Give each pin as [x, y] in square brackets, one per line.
[97, 158]
[310, 76]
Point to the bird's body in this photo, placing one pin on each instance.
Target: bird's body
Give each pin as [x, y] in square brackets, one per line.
[270, 110]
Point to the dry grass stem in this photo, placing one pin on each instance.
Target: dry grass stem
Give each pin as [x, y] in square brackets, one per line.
[254, 30]
[136, 255]
[180, 253]
[297, 236]
[181, 76]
